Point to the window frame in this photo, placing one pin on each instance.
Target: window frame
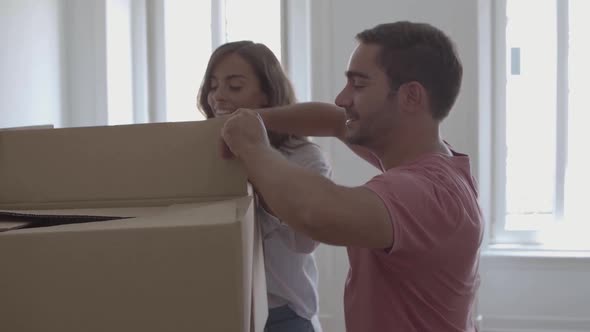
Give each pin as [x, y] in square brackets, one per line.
[149, 57]
[500, 235]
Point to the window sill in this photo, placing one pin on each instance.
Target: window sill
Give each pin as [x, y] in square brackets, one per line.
[534, 251]
[556, 240]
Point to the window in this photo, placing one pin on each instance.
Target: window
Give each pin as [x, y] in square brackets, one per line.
[157, 51]
[540, 116]
[241, 22]
[188, 47]
[119, 70]
[194, 28]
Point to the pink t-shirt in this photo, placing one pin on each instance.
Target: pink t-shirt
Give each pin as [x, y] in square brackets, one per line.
[427, 281]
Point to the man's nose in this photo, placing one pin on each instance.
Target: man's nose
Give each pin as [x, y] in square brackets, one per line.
[343, 99]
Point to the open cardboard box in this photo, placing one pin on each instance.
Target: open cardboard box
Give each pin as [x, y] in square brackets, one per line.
[127, 228]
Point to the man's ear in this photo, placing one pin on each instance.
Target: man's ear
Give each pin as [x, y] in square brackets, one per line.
[413, 96]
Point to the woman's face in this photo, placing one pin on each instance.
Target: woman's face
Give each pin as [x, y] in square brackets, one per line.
[234, 85]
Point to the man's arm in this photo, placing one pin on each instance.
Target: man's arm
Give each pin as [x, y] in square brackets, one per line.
[306, 119]
[313, 119]
[308, 202]
[316, 206]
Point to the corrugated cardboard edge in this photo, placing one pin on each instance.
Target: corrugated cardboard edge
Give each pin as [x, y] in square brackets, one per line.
[259, 298]
[104, 204]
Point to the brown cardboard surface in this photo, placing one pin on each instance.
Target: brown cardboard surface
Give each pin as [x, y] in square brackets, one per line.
[115, 166]
[190, 259]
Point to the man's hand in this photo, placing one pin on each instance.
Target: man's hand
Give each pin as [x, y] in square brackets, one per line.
[243, 132]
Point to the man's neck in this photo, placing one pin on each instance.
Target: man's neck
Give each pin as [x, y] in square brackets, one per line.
[410, 146]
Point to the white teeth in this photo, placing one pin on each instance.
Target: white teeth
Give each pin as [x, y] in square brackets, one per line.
[223, 112]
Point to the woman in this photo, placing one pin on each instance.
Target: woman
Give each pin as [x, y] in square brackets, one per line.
[244, 74]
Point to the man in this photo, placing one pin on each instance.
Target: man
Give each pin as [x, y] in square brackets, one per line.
[413, 232]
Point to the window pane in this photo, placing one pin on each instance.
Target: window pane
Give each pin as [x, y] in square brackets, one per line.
[530, 112]
[241, 26]
[578, 166]
[188, 46]
[119, 81]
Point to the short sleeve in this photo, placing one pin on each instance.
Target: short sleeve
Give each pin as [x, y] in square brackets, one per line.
[422, 213]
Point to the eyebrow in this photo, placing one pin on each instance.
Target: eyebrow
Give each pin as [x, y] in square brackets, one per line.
[229, 77]
[353, 74]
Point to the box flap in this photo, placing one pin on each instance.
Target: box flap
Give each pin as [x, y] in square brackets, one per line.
[17, 220]
[90, 220]
[11, 225]
[116, 166]
[177, 275]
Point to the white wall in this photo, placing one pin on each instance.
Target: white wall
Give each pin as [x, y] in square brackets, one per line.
[517, 293]
[535, 294]
[30, 63]
[456, 17]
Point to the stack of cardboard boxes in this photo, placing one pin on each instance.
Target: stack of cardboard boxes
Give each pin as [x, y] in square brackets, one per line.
[127, 228]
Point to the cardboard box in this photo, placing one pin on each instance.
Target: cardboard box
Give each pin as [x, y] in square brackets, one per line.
[186, 257]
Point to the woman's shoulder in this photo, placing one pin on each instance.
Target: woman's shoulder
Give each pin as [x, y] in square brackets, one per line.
[302, 148]
[307, 154]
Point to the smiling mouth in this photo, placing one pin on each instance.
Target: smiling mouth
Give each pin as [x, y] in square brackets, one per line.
[351, 119]
[223, 111]
[350, 123]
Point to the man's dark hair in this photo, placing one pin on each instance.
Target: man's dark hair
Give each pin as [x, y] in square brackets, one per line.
[422, 53]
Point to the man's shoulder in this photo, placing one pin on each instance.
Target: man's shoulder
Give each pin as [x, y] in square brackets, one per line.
[430, 173]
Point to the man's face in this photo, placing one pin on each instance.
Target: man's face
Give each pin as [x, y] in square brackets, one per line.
[367, 98]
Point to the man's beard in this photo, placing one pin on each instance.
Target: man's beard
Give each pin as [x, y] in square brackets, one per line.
[358, 136]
